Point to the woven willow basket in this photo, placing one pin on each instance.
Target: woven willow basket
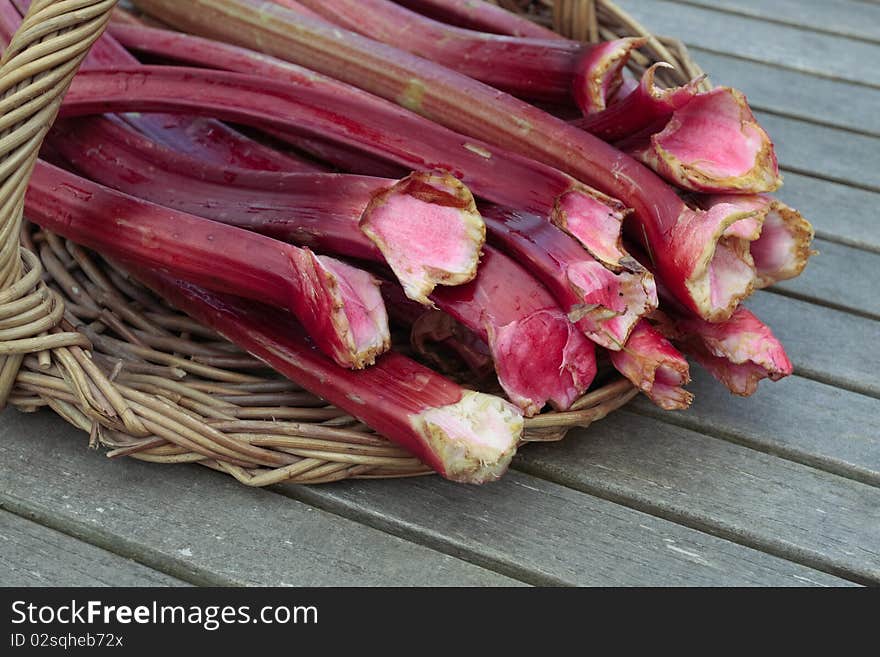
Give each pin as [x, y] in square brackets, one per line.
[144, 380]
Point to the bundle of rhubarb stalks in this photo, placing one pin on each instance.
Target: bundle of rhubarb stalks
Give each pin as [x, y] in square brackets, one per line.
[311, 178]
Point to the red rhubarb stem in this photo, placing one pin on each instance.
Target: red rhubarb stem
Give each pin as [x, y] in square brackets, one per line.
[480, 15]
[464, 435]
[340, 306]
[682, 241]
[645, 106]
[542, 70]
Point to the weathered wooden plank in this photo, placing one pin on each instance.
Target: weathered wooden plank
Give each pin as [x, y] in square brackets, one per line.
[841, 277]
[803, 420]
[795, 94]
[838, 212]
[33, 555]
[790, 47]
[843, 17]
[824, 344]
[565, 536]
[825, 152]
[776, 505]
[199, 525]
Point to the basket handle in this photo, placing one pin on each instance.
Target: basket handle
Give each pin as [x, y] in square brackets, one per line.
[35, 72]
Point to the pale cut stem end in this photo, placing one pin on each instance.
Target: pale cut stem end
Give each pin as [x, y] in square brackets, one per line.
[612, 304]
[784, 244]
[599, 73]
[712, 252]
[473, 440]
[655, 367]
[712, 144]
[596, 221]
[429, 230]
[356, 312]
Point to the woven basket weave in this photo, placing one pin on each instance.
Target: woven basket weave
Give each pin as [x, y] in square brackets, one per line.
[144, 380]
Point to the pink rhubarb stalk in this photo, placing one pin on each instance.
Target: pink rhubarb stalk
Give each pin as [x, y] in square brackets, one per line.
[738, 352]
[655, 367]
[554, 71]
[465, 436]
[539, 355]
[426, 227]
[681, 240]
[299, 102]
[783, 247]
[604, 305]
[340, 306]
[712, 144]
[481, 16]
[645, 106]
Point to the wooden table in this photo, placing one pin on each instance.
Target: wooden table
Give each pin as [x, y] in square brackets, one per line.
[779, 489]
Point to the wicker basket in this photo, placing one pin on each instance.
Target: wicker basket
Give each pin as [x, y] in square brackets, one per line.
[144, 380]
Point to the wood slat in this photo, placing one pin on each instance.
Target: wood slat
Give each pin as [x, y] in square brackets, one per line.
[838, 212]
[799, 95]
[758, 499]
[841, 277]
[559, 535]
[199, 525]
[825, 152]
[824, 344]
[213, 529]
[843, 17]
[790, 47]
[33, 555]
[803, 420]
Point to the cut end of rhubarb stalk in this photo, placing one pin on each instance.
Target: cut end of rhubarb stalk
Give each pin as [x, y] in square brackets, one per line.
[595, 220]
[673, 98]
[474, 439]
[712, 251]
[347, 307]
[542, 359]
[599, 73]
[429, 230]
[739, 352]
[612, 303]
[783, 247]
[712, 144]
[655, 367]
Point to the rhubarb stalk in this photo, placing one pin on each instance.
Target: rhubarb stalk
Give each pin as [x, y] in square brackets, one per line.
[738, 352]
[684, 242]
[655, 367]
[645, 106]
[426, 227]
[554, 71]
[465, 436]
[480, 15]
[782, 249]
[713, 143]
[340, 306]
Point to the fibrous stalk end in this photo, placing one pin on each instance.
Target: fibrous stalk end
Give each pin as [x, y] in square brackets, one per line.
[472, 440]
